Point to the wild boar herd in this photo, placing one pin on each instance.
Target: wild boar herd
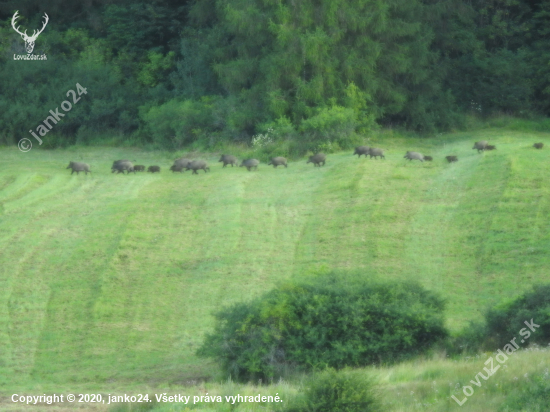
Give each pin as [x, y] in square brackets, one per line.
[183, 164]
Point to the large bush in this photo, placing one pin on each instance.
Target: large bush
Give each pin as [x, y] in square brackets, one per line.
[332, 391]
[332, 321]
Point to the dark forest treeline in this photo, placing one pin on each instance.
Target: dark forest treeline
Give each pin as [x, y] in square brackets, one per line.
[171, 73]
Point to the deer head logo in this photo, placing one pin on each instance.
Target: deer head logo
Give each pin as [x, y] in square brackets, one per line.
[29, 40]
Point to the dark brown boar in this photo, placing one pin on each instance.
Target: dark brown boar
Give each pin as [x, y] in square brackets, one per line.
[79, 167]
[278, 161]
[361, 150]
[198, 165]
[228, 160]
[373, 152]
[250, 163]
[317, 159]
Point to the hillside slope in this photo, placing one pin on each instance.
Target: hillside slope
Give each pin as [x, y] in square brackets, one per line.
[108, 278]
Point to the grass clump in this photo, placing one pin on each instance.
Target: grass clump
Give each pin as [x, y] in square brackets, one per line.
[337, 391]
[532, 395]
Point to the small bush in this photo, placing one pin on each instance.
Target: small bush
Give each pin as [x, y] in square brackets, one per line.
[262, 140]
[332, 391]
[331, 321]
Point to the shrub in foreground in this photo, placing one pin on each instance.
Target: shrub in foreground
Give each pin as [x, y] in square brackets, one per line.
[331, 321]
[332, 391]
[505, 321]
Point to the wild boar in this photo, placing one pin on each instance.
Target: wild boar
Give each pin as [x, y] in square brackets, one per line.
[278, 161]
[79, 167]
[197, 165]
[317, 159]
[414, 156]
[123, 165]
[182, 162]
[361, 150]
[228, 160]
[480, 146]
[250, 163]
[153, 169]
[177, 168]
[373, 152]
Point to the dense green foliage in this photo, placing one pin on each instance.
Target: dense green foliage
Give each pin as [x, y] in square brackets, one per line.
[324, 70]
[337, 391]
[332, 321]
[470, 340]
[506, 320]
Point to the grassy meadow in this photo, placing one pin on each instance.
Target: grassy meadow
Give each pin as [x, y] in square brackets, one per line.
[108, 282]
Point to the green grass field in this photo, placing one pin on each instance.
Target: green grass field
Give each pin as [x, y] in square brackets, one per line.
[110, 281]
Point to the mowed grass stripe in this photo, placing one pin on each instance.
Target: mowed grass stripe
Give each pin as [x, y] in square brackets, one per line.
[70, 219]
[438, 255]
[364, 213]
[21, 186]
[83, 259]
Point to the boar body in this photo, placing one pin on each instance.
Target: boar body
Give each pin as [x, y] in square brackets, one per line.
[278, 161]
[361, 150]
[414, 156]
[317, 159]
[79, 167]
[250, 163]
[197, 165]
[374, 152]
[228, 160]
